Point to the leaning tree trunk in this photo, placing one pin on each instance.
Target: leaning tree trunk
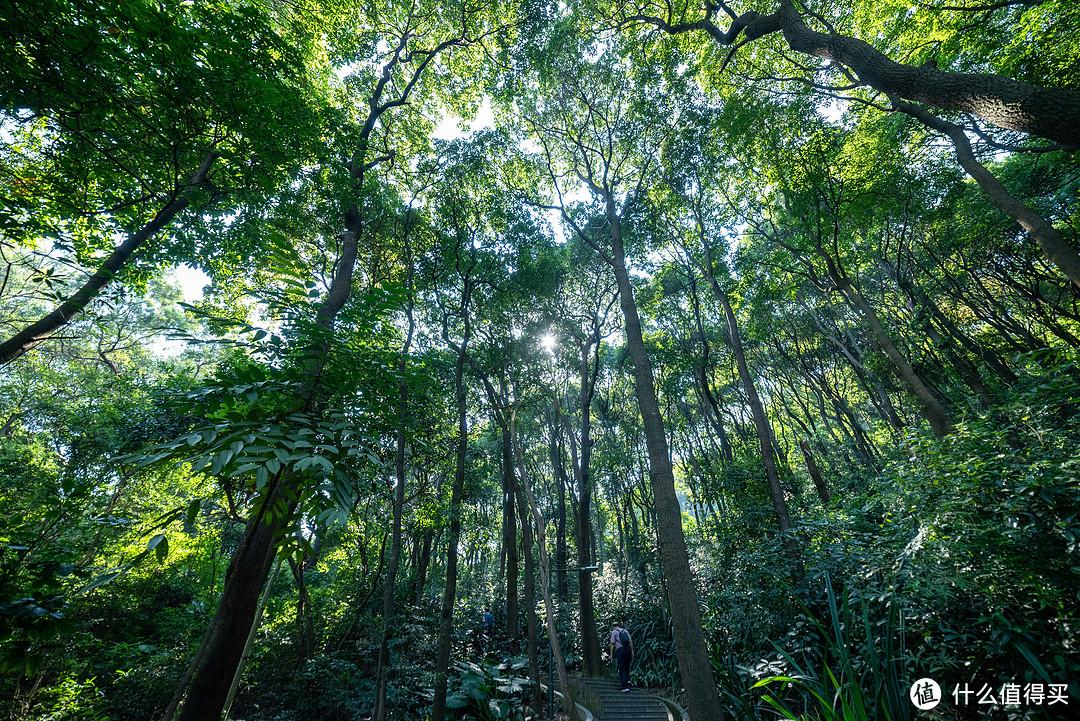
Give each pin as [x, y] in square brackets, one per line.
[251, 637]
[764, 431]
[40, 330]
[815, 474]
[940, 420]
[238, 605]
[250, 564]
[1046, 236]
[964, 368]
[695, 666]
[1011, 104]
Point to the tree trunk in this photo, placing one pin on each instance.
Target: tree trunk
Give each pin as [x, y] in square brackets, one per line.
[529, 590]
[446, 616]
[382, 672]
[766, 439]
[695, 665]
[865, 376]
[251, 638]
[312, 560]
[251, 561]
[761, 422]
[562, 589]
[710, 405]
[236, 609]
[509, 539]
[499, 412]
[1046, 236]
[1052, 113]
[634, 543]
[545, 584]
[940, 420]
[305, 630]
[592, 663]
[964, 368]
[815, 474]
[181, 688]
[422, 563]
[992, 360]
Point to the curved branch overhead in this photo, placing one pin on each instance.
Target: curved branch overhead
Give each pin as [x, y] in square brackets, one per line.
[1047, 112]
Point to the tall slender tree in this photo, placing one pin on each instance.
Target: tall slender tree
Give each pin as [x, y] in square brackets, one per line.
[594, 130]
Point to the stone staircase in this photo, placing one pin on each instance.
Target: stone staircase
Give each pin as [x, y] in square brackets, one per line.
[611, 704]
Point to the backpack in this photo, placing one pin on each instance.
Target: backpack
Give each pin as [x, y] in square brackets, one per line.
[624, 637]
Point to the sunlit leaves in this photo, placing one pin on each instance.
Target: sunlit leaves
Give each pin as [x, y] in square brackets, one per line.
[109, 108]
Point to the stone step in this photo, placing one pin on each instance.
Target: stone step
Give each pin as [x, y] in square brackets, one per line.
[635, 705]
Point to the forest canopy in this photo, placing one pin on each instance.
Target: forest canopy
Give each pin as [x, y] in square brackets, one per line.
[752, 326]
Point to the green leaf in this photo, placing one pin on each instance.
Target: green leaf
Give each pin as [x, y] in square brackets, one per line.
[102, 578]
[193, 511]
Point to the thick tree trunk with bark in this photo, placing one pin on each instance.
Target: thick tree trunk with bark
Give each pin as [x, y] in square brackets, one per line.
[695, 665]
[251, 561]
[251, 635]
[193, 665]
[1052, 113]
[236, 610]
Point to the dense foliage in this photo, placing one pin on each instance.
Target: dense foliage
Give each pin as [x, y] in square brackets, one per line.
[780, 316]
